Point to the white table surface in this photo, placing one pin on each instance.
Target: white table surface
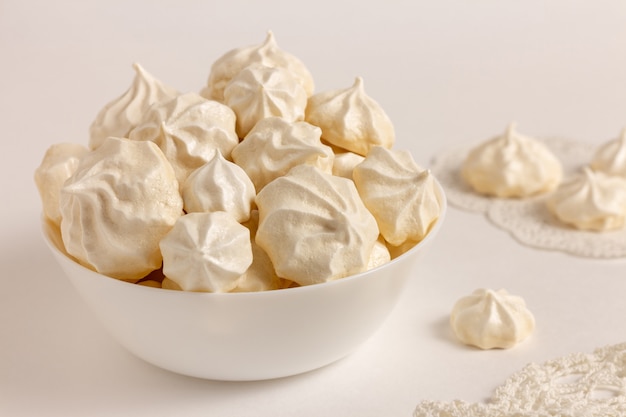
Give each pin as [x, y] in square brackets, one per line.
[447, 72]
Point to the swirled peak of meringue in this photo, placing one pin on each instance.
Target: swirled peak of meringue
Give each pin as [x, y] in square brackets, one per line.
[58, 164]
[267, 54]
[206, 252]
[591, 200]
[258, 92]
[121, 115]
[491, 319]
[512, 165]
[610, 157]
[115, 208]
[219, 185]
[314, 227]
[399, 194]
[189, 129]
[275, 145]
[350, 119]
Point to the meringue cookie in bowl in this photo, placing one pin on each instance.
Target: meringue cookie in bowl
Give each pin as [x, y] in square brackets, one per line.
[275, 145]
[591, 201]
[610, 157]
[491, 319]
[117, 205]
[121, 115]
[512, 165]
[350, 119]
[267, 54]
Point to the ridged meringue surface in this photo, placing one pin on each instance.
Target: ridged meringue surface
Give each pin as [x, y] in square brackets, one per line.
[115, 208]
[345, 162]
[399, 194]
[610, 157]
[276, 145]
[206, 252]
[591, 201]
[219, 185]
[512, 165]
[189, 129]
[351, 119]
[124, 113]
[314, 227]
[58, 164]
[258, 92]
[491, 319]
[267, 54]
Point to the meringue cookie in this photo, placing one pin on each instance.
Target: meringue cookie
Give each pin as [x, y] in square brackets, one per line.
[258, 92]
[610, 158]
[121, 115]
[591, 201]
[345, 162]
[512, 165]
[399, 194]
[58, 164]
[219, 185]
[350, 119]
[267, 54]
[491, 319]
[206, 252]
[314, 227]
[115, 208]
[380, 254]
[188, 129]
[276, 145]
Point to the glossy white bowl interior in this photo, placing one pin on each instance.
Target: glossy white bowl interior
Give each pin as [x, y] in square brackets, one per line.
[245, 336]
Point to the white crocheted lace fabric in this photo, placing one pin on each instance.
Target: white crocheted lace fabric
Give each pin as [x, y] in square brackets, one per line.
[577, 385]
[528, 220]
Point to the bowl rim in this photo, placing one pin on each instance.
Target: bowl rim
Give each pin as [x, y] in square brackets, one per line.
[47, 225]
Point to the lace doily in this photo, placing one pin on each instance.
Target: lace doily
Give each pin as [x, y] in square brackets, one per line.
[528, 220]
[577, 385]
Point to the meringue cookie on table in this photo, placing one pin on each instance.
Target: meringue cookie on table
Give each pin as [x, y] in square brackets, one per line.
[258, 92]
[219, 185]
[350, 119]
[58, 164]
[206, 252]
[610, 157]
[512, 165]
[267, 54]
[188, 129]
[275, 145]
[491, 319]
[399, 194]
[591, 201]
[115, 208]
[314, 227]
[121, 115]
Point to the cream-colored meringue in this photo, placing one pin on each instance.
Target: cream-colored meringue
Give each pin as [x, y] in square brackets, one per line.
[206, 252]
[380, 254]
[399, 194]
[314, 227]
[58, 164]
[115, 208]
[267, 54]
[219, 185]
[189, 129]
[124, 113]
[276, 145]
[610, 158]
[350, 119]
[591, 201]
[345, 162]
[512, 165]
[258, 92]
[491, 319]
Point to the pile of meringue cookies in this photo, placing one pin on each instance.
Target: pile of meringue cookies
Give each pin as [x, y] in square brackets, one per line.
[256, 183]
[515, 166]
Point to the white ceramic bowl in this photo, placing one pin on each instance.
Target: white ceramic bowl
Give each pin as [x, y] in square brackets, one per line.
[245, 336]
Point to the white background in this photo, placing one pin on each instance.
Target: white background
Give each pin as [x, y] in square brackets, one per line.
[447, 72]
